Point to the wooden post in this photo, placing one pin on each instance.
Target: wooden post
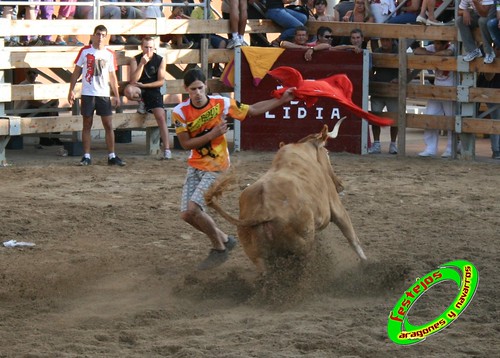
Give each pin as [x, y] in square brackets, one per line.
[402, 79]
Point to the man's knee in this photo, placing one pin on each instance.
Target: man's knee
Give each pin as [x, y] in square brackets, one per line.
[131, 92]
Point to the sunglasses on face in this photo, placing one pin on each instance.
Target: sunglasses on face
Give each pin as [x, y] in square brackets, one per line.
[327, 36]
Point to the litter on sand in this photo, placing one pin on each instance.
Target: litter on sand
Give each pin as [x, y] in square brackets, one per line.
[14, 243]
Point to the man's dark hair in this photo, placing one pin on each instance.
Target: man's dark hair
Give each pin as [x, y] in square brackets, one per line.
[101, 28]
[194, 74]
[322, 29]
[300, 28]
[357, 31]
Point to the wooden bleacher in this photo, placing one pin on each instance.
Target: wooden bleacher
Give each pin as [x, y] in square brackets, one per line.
[62, 57]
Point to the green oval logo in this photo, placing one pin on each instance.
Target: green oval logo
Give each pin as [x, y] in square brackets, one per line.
[462, 272]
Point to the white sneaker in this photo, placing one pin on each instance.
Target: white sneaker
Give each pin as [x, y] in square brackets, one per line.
[142, 108]
[446, 154]
[426, 153]
[375, 148]
[421, 20]
[472, 55]
[393, 149]
[434, 23]
[167, 155]
[489, 58]
[234, 42]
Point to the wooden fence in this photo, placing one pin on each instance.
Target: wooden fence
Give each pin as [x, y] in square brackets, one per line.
[60, 59]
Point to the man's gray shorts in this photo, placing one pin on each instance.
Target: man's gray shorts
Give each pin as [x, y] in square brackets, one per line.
[196, 184]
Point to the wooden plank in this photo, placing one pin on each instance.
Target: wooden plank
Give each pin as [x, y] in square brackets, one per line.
[129, 27]
[480, 126]
[414, 91]
[172, 26]
[34, 125]
[417, 32]
[60, 57]
[484, 95]
[39, 125]
[10, 92]
[402, 80]
[425, 121]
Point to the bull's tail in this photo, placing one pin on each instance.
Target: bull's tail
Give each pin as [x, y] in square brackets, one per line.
[216, 190]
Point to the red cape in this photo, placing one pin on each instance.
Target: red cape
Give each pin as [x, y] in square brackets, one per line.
[336, 87]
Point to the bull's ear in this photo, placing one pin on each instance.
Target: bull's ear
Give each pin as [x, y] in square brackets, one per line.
[282, 144]
[324, 133]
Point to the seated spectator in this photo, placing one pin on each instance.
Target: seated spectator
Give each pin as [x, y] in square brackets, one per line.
[360, 13]
[214, 40]
[494, 26]
[154, 11]
[130, 13]
[288, 19]
[45, 12]
[238, 15]
[106, 12]
[320, 11]
[67, 12]
[255, 10]
[472, 14]
[31, 75]
[177, 41]
[9, 12]
[407, 14]
[382, 9]
[342, 8]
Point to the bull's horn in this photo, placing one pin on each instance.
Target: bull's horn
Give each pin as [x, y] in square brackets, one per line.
[334, 133]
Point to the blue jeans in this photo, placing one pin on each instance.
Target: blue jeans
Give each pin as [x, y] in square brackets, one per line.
[404, 18]
[287, 19]
[492, 25]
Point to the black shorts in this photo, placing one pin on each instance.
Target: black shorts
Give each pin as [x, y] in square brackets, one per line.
[101, 105]
[152, 99]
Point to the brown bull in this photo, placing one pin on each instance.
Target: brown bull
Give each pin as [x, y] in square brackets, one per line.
[296, 198]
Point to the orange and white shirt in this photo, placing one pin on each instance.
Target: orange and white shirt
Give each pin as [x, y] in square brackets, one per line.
[213, 156]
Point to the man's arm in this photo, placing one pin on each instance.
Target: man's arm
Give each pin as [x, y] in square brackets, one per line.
[269, 104]
[196, 142]
[288, 44]
[319, 47]
[481, 9]
[113, 81]
[74, 77]
[423, 51]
